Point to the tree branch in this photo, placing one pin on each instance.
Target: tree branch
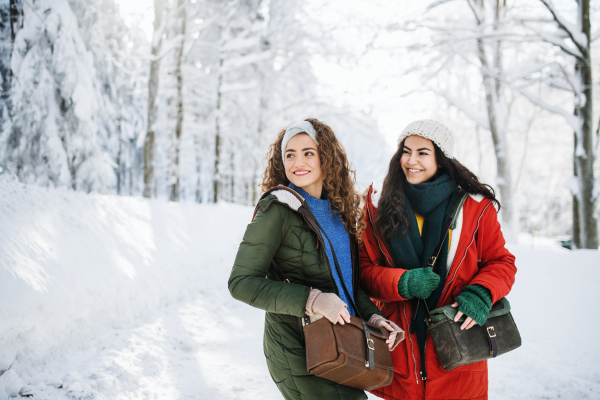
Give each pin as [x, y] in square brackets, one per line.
[571, 119]
[565, 26]
[550, 39]
[468, 111]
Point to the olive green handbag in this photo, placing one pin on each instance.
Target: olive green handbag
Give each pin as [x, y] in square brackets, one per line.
[456, 347]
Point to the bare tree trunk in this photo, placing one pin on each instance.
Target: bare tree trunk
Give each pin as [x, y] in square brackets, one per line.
[216, 172]
[198, 143]
[496, 110]
[120, 171]
[149, 178]
[576, 216]
[16, 19]
[587, 236]
[176, 185]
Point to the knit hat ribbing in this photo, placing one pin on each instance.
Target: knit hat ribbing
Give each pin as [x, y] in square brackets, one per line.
[297, 128]
[433, 130]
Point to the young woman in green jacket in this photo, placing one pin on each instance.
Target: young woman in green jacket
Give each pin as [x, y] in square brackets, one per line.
[309, 161]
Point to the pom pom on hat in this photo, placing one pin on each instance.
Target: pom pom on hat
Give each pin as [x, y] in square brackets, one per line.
[433, 130]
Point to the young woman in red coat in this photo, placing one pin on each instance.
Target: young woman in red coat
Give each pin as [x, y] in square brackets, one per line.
[403, 227]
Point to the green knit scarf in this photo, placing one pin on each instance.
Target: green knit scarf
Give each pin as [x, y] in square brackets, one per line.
[410, 250]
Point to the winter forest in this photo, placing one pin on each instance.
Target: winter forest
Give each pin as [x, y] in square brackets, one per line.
[132, 143]
[180, 100]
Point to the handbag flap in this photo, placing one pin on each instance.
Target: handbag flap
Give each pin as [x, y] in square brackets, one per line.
[375, 331]
[501, 307]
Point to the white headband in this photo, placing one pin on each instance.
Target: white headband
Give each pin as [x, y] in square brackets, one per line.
[298, 127]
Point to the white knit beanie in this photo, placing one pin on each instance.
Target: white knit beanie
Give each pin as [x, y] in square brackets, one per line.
[435, 131]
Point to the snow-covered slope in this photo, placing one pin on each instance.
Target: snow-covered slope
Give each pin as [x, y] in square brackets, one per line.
[76, 267]
[106, 297]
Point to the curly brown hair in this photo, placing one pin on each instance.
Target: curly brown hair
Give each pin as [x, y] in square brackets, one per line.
[338, 181]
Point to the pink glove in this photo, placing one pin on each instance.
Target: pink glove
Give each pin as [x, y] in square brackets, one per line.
[327, 304]
[394, 329]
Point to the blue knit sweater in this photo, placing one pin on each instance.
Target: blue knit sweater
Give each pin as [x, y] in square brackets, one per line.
[337, 234]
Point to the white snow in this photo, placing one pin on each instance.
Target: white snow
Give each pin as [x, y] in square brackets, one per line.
[107, 297]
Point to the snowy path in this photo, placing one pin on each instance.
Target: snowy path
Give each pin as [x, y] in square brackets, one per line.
[206, 346]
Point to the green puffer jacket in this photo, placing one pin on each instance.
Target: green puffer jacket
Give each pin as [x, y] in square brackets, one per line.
[280, 232]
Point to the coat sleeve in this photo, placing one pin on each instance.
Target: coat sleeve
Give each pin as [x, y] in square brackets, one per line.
[378, 281]
[497, 265]
[248, 281]
[365, 305]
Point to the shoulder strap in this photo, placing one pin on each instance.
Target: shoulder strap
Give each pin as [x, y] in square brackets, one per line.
[458, 202]
[451, 224]
[310, 218]
[339, 271]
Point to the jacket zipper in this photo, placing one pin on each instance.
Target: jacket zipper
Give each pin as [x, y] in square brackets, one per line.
[465, 253]
[412, 350]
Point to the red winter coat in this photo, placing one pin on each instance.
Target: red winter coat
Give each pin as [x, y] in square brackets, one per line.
[477, 256]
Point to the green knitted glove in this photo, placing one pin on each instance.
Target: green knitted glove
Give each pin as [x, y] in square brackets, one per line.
[475, 301]
[419, 283]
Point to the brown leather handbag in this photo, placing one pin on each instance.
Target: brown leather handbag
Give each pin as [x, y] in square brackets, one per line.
[354, 354]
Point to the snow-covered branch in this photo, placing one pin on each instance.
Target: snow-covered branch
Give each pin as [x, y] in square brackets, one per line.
[437, 3]
[571, 119]
[559, 42]
[464, 108]
[574, 32]
[477, 12]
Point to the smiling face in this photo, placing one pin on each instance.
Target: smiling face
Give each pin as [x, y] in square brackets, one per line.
[303, 165]
[418, 159]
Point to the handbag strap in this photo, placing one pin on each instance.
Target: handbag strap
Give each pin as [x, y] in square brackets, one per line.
[458, 201]
[339, 271]
[461, 195]
[279, 272]
[370, 361]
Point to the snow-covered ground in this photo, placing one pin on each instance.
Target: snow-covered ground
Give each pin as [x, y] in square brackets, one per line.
[106, 297]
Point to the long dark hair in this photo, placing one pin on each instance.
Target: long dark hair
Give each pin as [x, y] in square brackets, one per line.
[391, 215]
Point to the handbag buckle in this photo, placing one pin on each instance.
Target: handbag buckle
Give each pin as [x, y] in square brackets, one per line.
[491, 332]
[432, 260]
[371, 344]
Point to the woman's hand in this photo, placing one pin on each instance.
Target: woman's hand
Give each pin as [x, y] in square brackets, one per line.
[469, 322]
[418, 283]
[344, 316]
[327, 304]
[392, 339]
[396, 333]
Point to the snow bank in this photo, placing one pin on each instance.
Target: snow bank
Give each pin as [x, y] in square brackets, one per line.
[73, 265]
